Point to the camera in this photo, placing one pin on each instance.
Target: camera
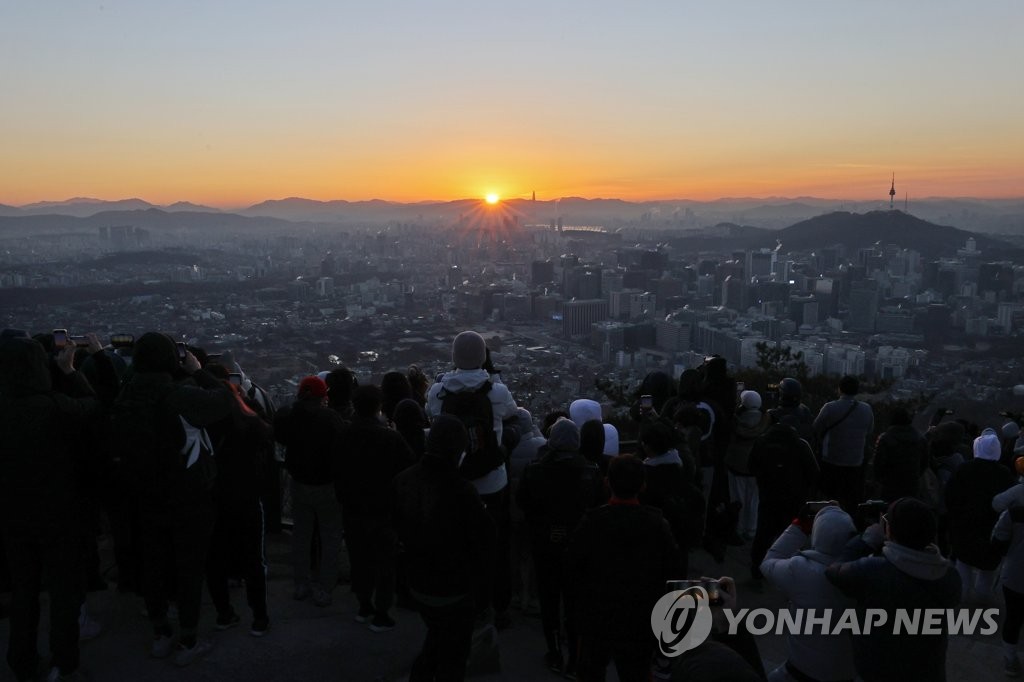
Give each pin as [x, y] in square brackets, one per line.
[870, 510]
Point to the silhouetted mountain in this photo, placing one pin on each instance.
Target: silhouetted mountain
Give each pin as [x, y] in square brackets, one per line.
[189, 206]
[10, 210]
[861, 230]
[83, 207]
[149, 219]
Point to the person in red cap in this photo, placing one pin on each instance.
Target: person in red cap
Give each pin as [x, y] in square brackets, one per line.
[309, 430]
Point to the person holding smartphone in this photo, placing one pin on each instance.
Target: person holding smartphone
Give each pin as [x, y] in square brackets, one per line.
[796, 565]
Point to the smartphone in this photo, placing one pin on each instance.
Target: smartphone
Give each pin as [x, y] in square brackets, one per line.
[740, 387]
[235, 378]
[710, 586]
[182, 350]
[79, 340]
[871, 510]
[646, 402]
[812, 508]
[213, 358]
[60, 338]
[122, 340]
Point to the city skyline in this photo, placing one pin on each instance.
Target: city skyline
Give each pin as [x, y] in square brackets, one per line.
[234, 104]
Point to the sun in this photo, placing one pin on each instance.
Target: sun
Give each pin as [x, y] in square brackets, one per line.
[492, 198]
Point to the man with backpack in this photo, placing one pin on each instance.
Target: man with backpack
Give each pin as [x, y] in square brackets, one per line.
[482, 403]
[157, 429]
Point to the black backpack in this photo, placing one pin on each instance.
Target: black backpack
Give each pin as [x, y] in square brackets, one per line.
[473, 409]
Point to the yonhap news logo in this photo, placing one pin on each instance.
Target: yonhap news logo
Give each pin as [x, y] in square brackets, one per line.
[681, 620]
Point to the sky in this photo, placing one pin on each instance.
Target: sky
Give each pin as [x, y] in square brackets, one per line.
[230, 103]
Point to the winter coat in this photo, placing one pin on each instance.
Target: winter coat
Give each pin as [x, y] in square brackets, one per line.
[969, 496]
[902, 578]
[901, 456]
[843, 433]
[310, 433]
[555, 492]
[370, 456]
[1008, 536]
[41, 442]
[784, 466]
[796, 565]
[619, 559]
[749, 425]
[448, 536]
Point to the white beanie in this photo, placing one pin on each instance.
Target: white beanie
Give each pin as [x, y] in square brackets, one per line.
[611, 440]
[987, 447]
[583, 410]
[751, 400]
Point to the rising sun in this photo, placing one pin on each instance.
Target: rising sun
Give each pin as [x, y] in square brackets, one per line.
[492, 198]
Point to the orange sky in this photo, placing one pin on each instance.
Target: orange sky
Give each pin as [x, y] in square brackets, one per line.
[233, 103]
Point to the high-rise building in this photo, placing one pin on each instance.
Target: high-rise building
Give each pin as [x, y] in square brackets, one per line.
[863, 306]
[578, 315]
[542, 272]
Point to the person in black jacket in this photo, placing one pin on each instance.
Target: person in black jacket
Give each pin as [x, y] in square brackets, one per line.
[244, 449]
[39, 500]
[555, 492]
[157, 422]
[371, 455]
[618, 561]
[901, 456]
[449, 540]
[669, 487]
[310, 432]
[786, 472]
[909, 574]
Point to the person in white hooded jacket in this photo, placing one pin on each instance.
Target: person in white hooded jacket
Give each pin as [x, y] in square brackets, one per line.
[470, 356]
[796, 565]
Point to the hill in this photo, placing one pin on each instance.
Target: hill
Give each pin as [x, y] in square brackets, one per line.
[862, 230]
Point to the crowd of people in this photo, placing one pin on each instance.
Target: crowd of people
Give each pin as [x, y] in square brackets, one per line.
[454, 501]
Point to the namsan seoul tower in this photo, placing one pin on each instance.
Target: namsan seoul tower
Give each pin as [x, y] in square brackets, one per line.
[892, 192]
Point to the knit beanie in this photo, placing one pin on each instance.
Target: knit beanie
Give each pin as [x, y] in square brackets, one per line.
[987, 446]
[312, 388]
[447, 438]
[583, 410]
[565, 436]
[1011, 430]
[469, 351]
[750, 400]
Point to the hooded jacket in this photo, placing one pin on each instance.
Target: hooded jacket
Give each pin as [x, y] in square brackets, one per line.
[503, 406]
[371, 455]
[796, 565]
[42, 440]
[902, 578]
[1008, 534]
[558, 488]
[784, 465]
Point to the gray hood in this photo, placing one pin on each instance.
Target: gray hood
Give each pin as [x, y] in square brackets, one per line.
[923, 564]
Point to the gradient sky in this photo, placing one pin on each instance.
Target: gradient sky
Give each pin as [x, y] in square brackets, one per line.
[228, 103]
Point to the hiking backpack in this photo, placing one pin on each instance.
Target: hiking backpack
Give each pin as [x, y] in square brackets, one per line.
[474, 410]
